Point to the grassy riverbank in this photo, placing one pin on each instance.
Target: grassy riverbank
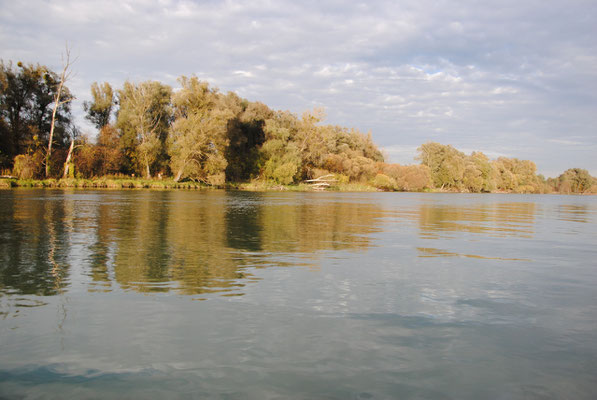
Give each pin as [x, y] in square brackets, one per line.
[157, 184]
[165, 184]
[102, 183]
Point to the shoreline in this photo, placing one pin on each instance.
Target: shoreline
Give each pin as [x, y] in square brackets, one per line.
[170, 184]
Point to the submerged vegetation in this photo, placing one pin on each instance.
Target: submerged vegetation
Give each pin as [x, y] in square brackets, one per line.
[152, 136]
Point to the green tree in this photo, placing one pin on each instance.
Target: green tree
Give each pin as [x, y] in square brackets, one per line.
[198, 136]
[100, 108]
[280, 156]
[143, 119]
[245, 136]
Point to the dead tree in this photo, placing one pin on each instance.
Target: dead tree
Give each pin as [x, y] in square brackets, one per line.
[58, 101]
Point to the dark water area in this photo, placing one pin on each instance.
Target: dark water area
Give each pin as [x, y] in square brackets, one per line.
[239, 295]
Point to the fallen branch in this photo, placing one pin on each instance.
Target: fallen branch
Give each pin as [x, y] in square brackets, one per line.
[323, 178]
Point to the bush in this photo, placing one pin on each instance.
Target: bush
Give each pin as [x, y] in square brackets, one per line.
[384, 182]
[27, 166]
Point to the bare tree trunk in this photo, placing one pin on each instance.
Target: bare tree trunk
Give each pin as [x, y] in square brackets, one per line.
[67, 163]
[58, 102]
[147, 172]
[180, 172]
[178, 175]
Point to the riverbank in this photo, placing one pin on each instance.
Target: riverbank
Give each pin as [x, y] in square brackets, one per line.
[157, 184]
[101, 183]
[165, 184]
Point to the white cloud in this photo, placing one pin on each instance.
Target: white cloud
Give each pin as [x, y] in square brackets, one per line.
[245, 74]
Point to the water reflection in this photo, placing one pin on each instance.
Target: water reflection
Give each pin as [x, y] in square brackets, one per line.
[191, 242]
[34, 247]
[101, 250]
[205, 242]
[431, 252]
[493, 219]
[574, 212]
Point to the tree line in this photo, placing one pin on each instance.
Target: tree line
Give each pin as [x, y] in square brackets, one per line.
[151, 130]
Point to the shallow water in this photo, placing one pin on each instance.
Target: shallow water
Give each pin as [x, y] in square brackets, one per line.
[236, 295]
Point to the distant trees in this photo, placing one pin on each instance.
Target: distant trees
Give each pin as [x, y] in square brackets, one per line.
[195, 132]
[574, 180]
[453, 170]
[199, 133]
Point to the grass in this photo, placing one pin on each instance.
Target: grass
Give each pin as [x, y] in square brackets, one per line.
[102, 183]
[123, 182]
[110, 182]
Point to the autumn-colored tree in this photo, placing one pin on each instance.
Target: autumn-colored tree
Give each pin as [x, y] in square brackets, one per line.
[478, 174]
[409, 178]
[446, 164]
[574, 180]
[516, 175]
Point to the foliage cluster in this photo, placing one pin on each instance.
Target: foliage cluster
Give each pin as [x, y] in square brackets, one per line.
[196, 133]
[453, 170]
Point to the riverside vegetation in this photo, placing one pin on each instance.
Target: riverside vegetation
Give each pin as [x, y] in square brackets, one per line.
[152, 136]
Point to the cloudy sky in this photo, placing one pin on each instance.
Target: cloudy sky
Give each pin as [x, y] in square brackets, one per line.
[513, 78]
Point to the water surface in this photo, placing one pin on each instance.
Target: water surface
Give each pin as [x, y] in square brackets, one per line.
[174, 294]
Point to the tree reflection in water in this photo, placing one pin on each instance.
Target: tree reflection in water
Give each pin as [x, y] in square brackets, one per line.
[190, 242]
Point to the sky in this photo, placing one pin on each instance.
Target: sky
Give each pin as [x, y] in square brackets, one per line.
[509, 78]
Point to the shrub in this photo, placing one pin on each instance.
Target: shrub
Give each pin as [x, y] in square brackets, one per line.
[384, 182]
[27, 166]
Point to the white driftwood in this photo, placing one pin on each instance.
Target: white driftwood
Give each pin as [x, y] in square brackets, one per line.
[322, 182]
[323, 178]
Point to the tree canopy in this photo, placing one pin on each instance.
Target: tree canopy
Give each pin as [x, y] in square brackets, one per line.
[195, 132]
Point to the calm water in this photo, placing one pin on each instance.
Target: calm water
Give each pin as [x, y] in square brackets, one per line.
[232, 295]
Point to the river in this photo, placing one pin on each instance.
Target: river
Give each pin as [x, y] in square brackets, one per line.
[241, 295]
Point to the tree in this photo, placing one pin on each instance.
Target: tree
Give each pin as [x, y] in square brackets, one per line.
[478, 173]
[574, 180]
[280, 157]
[100, 108]
[198, 139]
[143, 119]
[516, 175]
[408, 177]
[26, 93]
[446, 164]
[245, 136]
[61, 96]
